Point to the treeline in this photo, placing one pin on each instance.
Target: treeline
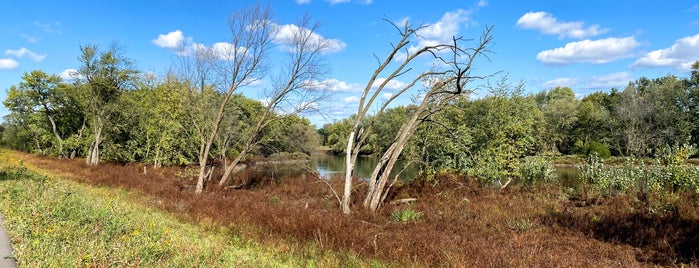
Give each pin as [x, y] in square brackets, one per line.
[496, 132]
[130, 116]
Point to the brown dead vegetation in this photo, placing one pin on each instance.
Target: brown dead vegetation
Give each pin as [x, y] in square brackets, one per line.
[462, 224]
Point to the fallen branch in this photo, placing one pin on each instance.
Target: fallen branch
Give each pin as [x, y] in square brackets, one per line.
[404, 201]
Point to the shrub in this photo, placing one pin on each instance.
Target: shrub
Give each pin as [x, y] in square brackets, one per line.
[598, 148]
[406, 215]
[536, 169]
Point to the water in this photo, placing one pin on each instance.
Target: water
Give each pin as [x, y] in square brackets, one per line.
[332, 166]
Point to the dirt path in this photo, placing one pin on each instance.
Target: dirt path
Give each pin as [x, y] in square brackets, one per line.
[6, 259]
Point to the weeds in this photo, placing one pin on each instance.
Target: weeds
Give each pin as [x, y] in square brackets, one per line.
[57, 223]
[406, 215]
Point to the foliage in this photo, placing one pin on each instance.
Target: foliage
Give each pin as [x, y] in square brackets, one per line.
[535, 169]
[406, 215]
[56, 223]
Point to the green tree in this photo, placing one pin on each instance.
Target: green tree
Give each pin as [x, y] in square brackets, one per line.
[559, 112]
[104, 76]
[41, 104]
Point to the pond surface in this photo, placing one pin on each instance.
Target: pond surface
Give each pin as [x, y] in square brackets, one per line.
[329, 166]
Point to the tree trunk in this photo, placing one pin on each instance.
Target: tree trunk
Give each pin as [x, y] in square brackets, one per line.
[231, 167]
[349, 167]
[382, 171]
[55, 133]
[93, 156]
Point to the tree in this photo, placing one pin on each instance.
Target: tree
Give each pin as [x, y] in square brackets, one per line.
[42, 103]
[226, 68]
[444, 84]
[103, 76]
[559, 111]
[294, 85]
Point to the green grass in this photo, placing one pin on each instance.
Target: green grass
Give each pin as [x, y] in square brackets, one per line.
[60, 223]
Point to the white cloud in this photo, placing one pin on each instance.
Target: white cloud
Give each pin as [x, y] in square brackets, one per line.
[386, 96]
[174, 40]
[560, 82]
[285, 36]
[593, 51]
[680, 55]
[482, 3]
[548, 24]
[351, 99]
[617, 80]
[30, 39]
[8, 64]
[444, 29]
[49, 27]
[439, 32]
[391, 85]
[25, 52]
[334, 85]
[303, 2]
[69, 75]
[332, 2]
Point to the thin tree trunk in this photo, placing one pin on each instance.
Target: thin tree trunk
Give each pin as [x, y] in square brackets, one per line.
[55, 133]
[349, 164]
[230, 168]
[93, 156]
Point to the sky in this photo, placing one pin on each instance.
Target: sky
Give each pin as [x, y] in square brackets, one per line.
[588, 46]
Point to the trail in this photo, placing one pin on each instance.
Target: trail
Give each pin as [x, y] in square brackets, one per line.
[6, 259]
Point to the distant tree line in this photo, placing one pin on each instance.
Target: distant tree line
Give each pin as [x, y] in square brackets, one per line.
[477, 136]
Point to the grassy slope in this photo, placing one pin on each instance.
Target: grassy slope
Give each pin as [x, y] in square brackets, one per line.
[59, 223]
[296, 222]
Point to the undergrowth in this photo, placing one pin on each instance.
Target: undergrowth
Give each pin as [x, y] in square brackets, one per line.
[59, 223]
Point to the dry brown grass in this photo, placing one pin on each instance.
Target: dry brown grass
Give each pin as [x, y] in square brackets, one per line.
[463, 224]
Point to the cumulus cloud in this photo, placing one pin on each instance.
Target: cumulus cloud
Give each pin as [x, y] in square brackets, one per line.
[548, 24]
[285, 36]
[614, 80]
[439, 32]
[560, 82]
[351, 99]
[69, 75]
[482, 3]
[391, 85]
[334, 85]
[8, 64]
[444, 29]
[592, 51]
[174, 40]
[681, 55]
[22, 52]
[303, 2]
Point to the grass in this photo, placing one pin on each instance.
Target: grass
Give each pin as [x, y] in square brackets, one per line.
[60, 223]
[295, 221]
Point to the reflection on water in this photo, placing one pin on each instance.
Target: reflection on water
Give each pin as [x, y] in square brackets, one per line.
[330, 166]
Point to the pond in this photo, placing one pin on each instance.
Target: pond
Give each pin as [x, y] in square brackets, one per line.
[329, 166]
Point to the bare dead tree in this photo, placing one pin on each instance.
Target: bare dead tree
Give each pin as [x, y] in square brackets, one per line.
[227, 67]
[446, 82]
[294, 90]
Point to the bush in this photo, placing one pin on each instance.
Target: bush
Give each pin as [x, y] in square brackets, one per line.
[406, 215]
[536, 169]
[598, 148]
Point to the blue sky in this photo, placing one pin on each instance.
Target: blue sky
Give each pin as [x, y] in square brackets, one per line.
[586, 45]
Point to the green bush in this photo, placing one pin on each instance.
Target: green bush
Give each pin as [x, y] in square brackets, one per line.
[406, 215]
[536, 169]
[600, 149]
